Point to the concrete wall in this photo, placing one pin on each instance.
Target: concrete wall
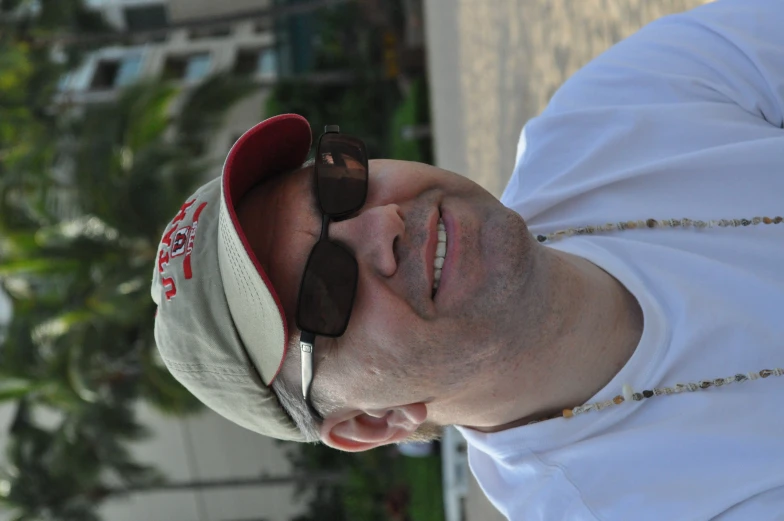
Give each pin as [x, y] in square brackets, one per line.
[112, 10]
[221, 49]
[208, 447]
[180, 10]
[205, 447]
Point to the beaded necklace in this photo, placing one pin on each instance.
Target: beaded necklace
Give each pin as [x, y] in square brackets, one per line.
[627, 393]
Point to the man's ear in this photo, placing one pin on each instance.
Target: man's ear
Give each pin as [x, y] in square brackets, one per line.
[357, 431]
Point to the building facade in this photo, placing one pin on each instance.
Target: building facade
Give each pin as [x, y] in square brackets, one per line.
[185, 46]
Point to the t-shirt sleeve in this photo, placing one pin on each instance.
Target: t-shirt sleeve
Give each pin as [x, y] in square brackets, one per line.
[728, 51]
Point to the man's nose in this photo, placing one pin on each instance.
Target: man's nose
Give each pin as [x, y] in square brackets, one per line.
[371, 237]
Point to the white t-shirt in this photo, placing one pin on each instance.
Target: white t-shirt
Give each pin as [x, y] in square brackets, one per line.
[683, 119]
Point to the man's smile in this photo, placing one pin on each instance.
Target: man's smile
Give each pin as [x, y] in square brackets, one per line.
[438, 261]
[445, 251]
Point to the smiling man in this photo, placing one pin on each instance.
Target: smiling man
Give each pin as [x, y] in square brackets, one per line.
[607, 336]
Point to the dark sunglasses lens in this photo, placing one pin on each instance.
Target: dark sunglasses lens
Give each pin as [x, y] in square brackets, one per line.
[328, 288]
[341, 164]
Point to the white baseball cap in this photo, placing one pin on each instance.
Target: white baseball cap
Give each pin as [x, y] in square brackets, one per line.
[220, 327]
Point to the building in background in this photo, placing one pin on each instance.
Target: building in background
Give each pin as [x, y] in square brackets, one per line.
[185, 41]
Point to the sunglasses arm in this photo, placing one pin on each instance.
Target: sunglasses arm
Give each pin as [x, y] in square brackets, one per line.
[306, 341]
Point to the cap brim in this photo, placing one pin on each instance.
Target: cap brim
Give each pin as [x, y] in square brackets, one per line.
[274, 146]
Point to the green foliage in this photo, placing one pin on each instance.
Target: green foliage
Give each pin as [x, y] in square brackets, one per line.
[375, 480]
[56, 474]
[362, 104]
[413, 110]
[80, 286]
[425, 481]
[30, 124]
[125, 173]
[205, 107]
[29, 74]
[13, 389]
[357, 498]
[340, 40]
[359, 108]
[83, 200]
[25, 133]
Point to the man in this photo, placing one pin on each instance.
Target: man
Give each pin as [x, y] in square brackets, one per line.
[608, 336]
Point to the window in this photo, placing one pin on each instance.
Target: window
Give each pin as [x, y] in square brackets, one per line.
[253, 62]
[130, 68]
[105, 75]
[264, 25]
[116, 72]
[156, 37]
[268, 61]
[246, 62]
[146, 18]
[189, 68]
[198, 67]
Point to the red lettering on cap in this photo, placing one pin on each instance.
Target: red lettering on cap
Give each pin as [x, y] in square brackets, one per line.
[186, 264]
[176, 242]
[177, 218]
[167, 238]
[163, 260]
[181, 240]
[169, 286]
[183, 211]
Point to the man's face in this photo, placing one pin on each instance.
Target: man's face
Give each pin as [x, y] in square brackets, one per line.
[403, 344]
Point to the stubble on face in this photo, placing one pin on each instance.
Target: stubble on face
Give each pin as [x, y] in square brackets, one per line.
[419, 351]
[411, 267]
[502, 316]
[482, 335]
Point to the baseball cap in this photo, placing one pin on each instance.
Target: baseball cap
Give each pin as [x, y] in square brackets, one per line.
[220, 327]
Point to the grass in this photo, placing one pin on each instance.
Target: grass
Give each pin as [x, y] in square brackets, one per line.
[423, 475]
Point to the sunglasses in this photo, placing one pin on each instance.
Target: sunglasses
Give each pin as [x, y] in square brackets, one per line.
[329, 284]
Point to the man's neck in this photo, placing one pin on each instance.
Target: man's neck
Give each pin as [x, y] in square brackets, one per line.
[595, 332]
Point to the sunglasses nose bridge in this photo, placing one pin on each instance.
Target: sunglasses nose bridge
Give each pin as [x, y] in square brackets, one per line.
[325, 220]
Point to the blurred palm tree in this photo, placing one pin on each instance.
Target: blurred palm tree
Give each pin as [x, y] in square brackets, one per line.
[29, 76]
[84, 195]
[78, 242]
[64, 473]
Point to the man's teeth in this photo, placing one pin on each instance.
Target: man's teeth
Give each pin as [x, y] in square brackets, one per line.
[438, 263]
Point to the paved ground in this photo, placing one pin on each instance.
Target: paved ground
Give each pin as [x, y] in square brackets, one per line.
[493, 64]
